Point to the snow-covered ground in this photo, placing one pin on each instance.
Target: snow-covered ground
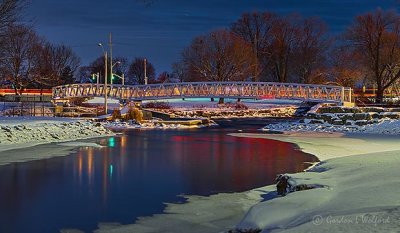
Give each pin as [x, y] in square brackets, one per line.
[359, 188]
[384, 126]
[22, 132]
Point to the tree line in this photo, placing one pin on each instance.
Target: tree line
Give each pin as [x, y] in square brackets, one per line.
[259, 46]
[28, 60]
[263, 46]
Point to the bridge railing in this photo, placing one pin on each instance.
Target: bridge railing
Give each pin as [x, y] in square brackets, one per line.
[210, 90]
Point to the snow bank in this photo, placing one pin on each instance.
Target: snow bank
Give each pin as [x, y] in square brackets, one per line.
[154, 124]
[383, 126]
[217, 213]
[359, 188]
[230, 112]
[19, 132]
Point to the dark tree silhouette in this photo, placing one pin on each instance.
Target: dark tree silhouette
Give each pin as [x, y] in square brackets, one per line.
[346, 69]
[309, 54]
[9, 13]
[179, 72]
[288, 48]
[18, 55]
[136, 71]
[164, 77]
[255, 28]
[376, 37]
[54, 65]
[220, 56]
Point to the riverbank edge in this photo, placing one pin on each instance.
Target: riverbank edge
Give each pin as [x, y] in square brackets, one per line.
[223, 212]
[26, 135]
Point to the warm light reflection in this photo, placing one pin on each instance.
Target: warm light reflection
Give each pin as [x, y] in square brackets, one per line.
[80, 165]
[123, 141]
[90, 164]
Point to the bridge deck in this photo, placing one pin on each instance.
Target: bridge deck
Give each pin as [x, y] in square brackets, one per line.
[307, 92]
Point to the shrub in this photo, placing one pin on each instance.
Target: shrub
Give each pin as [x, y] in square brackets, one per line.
[240, 106]
[134, 114]
[157, 105]
[236, 106]
[116, 114]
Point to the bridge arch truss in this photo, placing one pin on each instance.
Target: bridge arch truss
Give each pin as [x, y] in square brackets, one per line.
[306, 92]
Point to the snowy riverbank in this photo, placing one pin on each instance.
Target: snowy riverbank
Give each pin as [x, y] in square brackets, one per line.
[358, 194]
[371, 120]
[383, 127]
[21, 132]
[156, 124]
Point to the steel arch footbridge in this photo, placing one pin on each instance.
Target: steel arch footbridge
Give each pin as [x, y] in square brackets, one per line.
[306, 92]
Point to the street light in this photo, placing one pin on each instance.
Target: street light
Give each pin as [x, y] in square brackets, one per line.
[121, 77]
[112, 74]
[105, 78]
[97, 77]
[116, 63]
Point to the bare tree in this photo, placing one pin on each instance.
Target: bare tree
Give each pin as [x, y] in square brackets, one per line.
[18, 53]
[164, 77]
[284, 40]
[287, 47]
[136, 71]
[255, 28]
[9, 12]
[309, 55]
[376, 36]
[54, 65]
[220, 56]
[346, 69]
[179, 71]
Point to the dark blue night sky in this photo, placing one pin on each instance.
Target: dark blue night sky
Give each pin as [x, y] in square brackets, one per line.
[161, 29]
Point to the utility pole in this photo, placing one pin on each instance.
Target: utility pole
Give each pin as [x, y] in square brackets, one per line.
[105, 83]
[145, 71]
[111, 59]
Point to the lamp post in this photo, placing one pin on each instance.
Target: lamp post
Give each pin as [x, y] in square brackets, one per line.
[105, 78]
